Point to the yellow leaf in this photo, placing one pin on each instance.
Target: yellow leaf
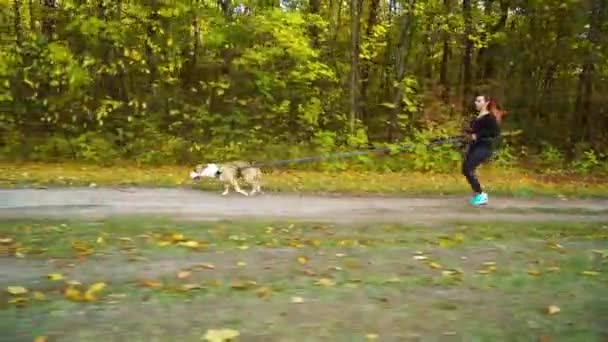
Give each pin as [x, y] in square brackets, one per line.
[302, 260]
[6, 241]
[101, 240]
[434, 265]
[90, 294]
[151, 284]
[553, 309]
[163, 243]
[590, 273]
[183, 274]
[55, 276]
[40, 339]
[325, 282]
[263, 292]
[19, 301]
[553, 269]
[39, 296]
[16, 290]
[73, 282]
[241, 264]
[489, 263]
[73, 294]
[420, 257]
[372, 336]
[340, 255]
[176, 237]
[221, 335]
[97, 287]
[189, 287]
[297, 300]
[241, 285]
[534, 272]
[125, 239]
[207, 266]
[190, 244]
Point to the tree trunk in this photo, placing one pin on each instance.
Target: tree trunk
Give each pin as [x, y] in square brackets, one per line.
[445, 56]
[372, 20]
[400, 64]
[585, 81]
[315, 7]
[355, 15]
[48, 18]
[467, 55]
[486, 55]
[17, 21]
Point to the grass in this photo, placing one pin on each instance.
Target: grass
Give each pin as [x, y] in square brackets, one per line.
[513, 182]
[281, 281]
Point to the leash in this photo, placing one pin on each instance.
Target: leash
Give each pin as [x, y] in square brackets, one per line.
[458, 140]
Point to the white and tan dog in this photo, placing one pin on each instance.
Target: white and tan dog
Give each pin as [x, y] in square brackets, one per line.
[229, 174]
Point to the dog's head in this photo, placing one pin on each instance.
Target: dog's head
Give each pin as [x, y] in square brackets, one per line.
[204, 170]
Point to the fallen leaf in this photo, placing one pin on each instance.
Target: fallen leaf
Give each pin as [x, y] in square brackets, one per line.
[39, 296]
[101, 240]
[242, 285]
[190, 244]
[163, 243]
[55, 276]
[183, 274]
[340, 255]
[91, 293]
[302, 260]
[241, 264]
[220, 335]
[40, 339]
[207, 266]
[553, 269]
[489, 263]
[126, 239]
[73, 294]
[189, 287]
[176, 237]
[151, 284]
[73, 282]
[6, 241]
[553, 309]
[325, 282]
[534, 272]
[420, 257]
[263, 292]
[16, 290]
[590, 273]
[434, 265]
[297, 300]
[19, 301]
[372, 336]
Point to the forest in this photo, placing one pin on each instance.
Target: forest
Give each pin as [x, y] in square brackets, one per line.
[173, 82]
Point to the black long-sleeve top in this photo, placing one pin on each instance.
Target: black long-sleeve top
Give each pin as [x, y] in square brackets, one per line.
[485, 128]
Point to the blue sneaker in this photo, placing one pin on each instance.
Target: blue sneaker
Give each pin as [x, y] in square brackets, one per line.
[479, 199]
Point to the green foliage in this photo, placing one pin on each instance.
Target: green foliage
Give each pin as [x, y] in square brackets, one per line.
[177, 82]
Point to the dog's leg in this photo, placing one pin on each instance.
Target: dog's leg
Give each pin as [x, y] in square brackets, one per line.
[235, 184]
[226, 189]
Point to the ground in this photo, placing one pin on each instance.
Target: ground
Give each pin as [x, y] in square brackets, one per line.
[177, 263]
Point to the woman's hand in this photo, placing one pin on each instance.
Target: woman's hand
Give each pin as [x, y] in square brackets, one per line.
[473, 136]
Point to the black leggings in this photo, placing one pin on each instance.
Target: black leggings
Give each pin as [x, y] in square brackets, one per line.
[476, 154]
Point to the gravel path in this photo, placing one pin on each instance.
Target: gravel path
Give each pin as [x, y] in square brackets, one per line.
[192, 204]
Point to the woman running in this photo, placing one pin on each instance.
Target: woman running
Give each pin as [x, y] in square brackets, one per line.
[483, 130]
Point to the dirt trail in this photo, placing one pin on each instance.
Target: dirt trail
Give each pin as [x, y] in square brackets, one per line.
[192, 204]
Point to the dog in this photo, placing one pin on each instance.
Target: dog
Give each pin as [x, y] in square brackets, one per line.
[229, 173]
